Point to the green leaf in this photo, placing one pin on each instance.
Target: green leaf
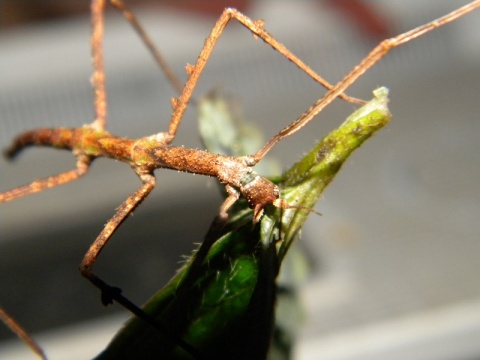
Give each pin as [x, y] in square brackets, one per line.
[224, 306]
[224, 130]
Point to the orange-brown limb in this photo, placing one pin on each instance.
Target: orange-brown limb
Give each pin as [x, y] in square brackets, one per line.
[21, 333]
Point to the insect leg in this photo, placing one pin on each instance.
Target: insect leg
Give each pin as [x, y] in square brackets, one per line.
[21, 333]
[126, 208]
[256, 27]
[132, 19]
[98, 77]
[194, 72]
[372, 58]
[83, 163]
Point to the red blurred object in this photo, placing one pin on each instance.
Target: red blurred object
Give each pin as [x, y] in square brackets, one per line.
[20, 12]
[213, 8]
[364, 16]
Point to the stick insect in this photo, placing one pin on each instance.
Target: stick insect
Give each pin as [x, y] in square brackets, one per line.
[147, 154]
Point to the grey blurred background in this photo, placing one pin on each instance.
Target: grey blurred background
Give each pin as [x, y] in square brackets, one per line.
[395, 255]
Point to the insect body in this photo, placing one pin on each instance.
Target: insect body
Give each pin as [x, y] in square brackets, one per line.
[147, 154]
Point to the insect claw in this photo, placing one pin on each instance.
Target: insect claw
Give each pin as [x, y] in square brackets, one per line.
[109, 293]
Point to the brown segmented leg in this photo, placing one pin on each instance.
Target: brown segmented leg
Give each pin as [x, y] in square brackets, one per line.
[256, 27]
[126, 208]
[22, 334]
[372, 58]
[132, 19]
[98, 77]
[83, 164]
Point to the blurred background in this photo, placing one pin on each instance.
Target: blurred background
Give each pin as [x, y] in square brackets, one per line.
[394, 256]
